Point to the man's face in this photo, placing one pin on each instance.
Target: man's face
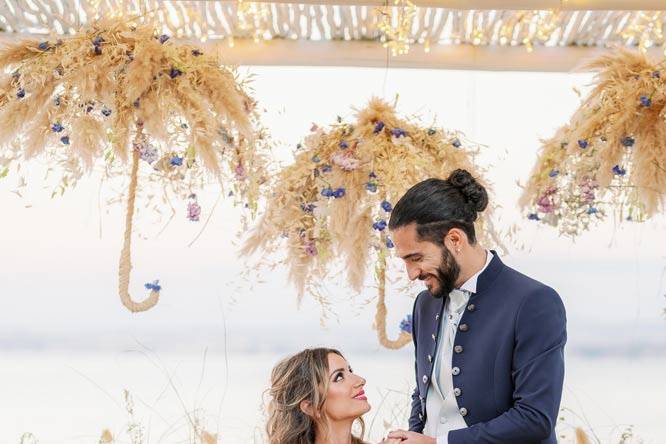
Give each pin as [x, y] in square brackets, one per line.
[424, 260]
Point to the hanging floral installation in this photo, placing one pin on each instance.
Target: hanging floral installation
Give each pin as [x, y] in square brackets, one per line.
[121, 95]
[332, 205]
[611, 157]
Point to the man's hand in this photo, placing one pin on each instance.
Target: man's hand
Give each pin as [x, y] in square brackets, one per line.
[411, 437]
[391, 441]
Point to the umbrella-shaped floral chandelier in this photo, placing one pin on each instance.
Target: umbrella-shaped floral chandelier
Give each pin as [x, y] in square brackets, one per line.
[124, 95]
[334, 201]
[611, 157]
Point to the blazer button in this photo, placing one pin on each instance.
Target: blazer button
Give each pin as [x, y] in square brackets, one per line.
[457, 391]
[471, 307]
[421, 417]
[433, 336]
[429, 358]
[425, 379]
[437, 317]
[463, 327]
[463, 411]
[455, 371]
[458, 349]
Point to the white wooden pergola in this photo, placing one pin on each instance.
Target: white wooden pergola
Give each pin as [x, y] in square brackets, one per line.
[513, 35]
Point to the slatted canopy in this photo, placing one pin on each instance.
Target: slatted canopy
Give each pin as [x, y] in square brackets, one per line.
[536, 35]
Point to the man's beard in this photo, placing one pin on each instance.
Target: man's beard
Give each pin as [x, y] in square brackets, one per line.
[447, 274]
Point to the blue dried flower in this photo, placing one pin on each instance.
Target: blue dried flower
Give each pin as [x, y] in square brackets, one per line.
[98, 40]
[592, 210]
[379, 225]
[20, 93]
[618, 170]
[371, 186]
[89, 108]
[406, 324]
[154, 286]
[326, 168]
[44, 46]
[65, 140]
[554, 173]
[344, 145]
[389, 243]
[628, 141]
[386, 206]
[316, 159]
[379, 126]
[176, 161]
[456, 143]
[163, 38]
[398, 132]
[106, 112]
[533, 216]
[327, 192]
[316, 172]
[175, 72]
[98, 50]
[646, 101]
[57, 127]
[582, 143]
[340, 192]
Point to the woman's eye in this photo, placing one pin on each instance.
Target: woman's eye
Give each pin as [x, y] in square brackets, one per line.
[338, 377]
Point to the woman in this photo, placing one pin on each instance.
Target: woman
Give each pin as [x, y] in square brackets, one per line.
[315, 398]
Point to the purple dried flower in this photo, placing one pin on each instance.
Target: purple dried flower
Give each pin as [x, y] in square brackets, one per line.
[241, 174]
[44, 46]
[456, 143]
[656, 75]
[193, 211]
[619, 171]
[340, 192]
[106, 112]
[163, 38]
[65, 140]
[175, 72]
[582, 143]
[389, 243]
[386, 206]
[57, 127]
[628, 141]
[379, 126]
[371, 186]
[310, 249]
[344, 145]
[98, 40]
[326, 168]
[308, 208]
[398, 132]
[554, 173]
[20, 93]
[327, 192]
[646, 101]
[316, 159]
[372, 175]
[196, 52]
[97, 49]
[176, 161]
[533, 216]
[136, 103]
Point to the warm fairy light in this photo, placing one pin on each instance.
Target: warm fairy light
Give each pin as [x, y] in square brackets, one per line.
[646, 29]
[426, 46]
[253, 19]
[395, 24]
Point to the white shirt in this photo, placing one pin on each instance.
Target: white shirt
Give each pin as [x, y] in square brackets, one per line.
[442, 413]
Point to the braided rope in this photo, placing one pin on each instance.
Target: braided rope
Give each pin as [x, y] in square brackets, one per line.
[125, 265]
[380, 316]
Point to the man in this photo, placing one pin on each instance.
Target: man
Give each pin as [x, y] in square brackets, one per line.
[489, 341]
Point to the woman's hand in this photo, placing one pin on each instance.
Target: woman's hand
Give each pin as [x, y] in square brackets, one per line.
[405, 437]
[391, 441]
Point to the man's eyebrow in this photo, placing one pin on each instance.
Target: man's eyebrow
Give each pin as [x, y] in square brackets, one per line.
[409, 256]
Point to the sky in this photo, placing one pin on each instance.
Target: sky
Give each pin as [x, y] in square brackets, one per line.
[58, 260]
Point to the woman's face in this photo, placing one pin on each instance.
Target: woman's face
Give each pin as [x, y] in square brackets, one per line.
[345, 398]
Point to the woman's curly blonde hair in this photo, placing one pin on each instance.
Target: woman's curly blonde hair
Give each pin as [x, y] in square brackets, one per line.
[301, 377]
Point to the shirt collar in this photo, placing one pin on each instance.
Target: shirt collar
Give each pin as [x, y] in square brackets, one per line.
[470, 284]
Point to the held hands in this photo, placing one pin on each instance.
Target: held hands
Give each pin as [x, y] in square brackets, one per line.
[404, 437]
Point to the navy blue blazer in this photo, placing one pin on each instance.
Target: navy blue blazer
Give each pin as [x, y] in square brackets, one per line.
[508, 360]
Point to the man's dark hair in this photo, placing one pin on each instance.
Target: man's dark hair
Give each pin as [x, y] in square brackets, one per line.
[437, 205]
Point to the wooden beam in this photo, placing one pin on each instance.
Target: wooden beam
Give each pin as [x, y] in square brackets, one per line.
[562, 5]
[371, 54]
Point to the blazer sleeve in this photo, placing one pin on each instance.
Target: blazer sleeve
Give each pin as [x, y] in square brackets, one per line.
[416, 423]
[538, 376]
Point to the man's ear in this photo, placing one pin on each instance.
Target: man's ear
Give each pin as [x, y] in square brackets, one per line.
[306, 408]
